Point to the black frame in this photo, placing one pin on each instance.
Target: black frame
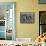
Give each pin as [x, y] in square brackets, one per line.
[39, 20]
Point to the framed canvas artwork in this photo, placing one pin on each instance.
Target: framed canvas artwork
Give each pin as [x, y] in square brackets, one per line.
[27, 17]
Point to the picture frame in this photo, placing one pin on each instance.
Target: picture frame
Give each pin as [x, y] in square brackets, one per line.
[27, 17]
[42, 1]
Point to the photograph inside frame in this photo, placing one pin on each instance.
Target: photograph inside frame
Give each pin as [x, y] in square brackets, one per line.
[27, 17]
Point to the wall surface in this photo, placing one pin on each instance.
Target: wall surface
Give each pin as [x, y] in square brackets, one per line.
[27, 30]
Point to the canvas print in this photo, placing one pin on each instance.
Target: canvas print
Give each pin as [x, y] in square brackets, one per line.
[27, 17]
[42, 1]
